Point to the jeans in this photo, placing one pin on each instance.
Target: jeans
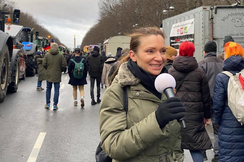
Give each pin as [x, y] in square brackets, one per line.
[39, 84]
[196, 155]
[98, 81]
[56, 92]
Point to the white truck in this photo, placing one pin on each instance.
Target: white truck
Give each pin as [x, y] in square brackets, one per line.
[203, 24]
[110, 45]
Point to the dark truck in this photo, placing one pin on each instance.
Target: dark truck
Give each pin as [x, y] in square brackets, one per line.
[23, 39]
[9, 62]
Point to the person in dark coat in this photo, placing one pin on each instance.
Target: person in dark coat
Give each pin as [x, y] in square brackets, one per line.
[118, 53]
[41, 71]
[95, 68]
[77, 83]
[231, 132]
[104, 56]
[195, 95]
[171, 53]
[212, 65]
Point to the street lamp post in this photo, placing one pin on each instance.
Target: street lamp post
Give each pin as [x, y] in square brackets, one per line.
[169, 8]
[135, 25]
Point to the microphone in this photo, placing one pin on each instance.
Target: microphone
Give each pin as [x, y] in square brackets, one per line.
[165, 83]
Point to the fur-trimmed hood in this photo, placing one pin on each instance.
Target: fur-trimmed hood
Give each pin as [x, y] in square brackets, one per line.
[125, 77]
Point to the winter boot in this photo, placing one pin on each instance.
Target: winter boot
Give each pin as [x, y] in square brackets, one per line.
[98, 100]
[93, 102]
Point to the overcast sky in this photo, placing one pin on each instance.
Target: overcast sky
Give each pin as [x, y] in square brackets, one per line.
[63, 18]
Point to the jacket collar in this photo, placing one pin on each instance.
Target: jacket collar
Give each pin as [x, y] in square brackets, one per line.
[210, 54]
[185, 64]
[234, 63]
[94, 53]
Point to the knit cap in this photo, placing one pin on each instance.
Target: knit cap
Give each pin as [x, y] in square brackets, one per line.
[232, 48]
[170, 51]
[210, 46]
[228, 39]
[96, 49]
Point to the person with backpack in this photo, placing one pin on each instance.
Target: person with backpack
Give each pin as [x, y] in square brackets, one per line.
[149, 130]
[231, 132]
[77, 69]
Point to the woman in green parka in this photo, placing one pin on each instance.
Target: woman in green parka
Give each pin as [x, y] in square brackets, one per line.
[149, 131]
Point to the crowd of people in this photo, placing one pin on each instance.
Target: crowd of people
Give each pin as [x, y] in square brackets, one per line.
[96, 64]
[150, 130]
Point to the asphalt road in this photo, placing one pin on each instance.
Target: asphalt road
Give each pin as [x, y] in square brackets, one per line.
[30, 133]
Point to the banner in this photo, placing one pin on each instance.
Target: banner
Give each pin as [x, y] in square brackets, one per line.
[182, 28]
[182, 31]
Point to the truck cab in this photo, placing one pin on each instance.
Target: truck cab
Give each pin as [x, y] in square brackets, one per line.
[23, 39]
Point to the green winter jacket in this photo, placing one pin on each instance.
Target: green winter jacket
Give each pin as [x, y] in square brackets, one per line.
[41, 71]
[136, 136]
[55, 64]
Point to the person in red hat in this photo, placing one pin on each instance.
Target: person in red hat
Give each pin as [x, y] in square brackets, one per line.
[195, 96]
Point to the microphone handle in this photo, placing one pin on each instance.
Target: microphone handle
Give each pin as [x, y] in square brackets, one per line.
[169, 93]
[182, 121]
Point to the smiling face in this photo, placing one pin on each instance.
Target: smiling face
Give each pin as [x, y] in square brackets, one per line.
[150, 55]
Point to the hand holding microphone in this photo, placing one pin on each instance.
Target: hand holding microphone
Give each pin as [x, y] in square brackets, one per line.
[172, 108]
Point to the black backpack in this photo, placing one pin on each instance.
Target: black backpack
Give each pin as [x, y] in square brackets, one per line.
[100, 155]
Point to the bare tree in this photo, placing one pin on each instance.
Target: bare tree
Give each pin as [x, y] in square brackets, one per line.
[121, 16]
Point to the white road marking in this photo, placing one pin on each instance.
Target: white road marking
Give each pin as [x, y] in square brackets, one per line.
[62, 85]
[64, 82]
[37, 147]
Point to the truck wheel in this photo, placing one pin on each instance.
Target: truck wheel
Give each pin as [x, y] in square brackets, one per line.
[13, 86]
[4, 65]
[30, 66]
[24, 76]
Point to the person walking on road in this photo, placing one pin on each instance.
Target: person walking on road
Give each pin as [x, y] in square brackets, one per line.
[106, 69]
[212, 65]
[95, 68]
[55, 64]
[231, 132]
[114, 69]
[118, 53]
[149, 130]
[41, 71]
[195, 95]
[77, 82]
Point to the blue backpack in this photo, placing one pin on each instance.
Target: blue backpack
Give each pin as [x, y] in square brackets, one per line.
[79, 69]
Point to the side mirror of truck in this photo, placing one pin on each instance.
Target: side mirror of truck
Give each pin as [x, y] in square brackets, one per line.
[16, 16]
